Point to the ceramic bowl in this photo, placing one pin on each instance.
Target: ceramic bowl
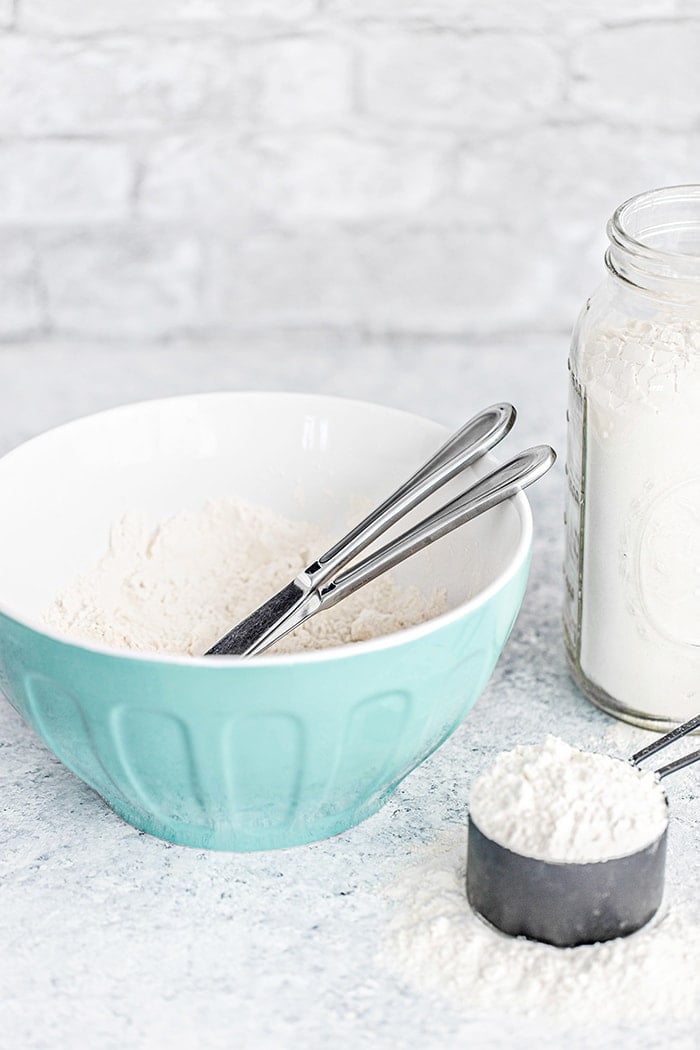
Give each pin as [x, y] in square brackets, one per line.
[229, 753]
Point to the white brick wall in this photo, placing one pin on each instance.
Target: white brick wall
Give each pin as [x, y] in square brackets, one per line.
[415, 169]
[641, 74]
[129, 283]
[303, 82]
[22, 306]
[118, 86]
[70, 17]
[48, 182]
[488, 82]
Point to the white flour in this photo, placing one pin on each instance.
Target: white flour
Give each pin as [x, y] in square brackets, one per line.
[436, 944]
[640, 630]
[557, 803]
[179, 586]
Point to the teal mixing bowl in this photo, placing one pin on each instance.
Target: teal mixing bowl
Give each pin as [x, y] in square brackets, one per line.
[228, 753]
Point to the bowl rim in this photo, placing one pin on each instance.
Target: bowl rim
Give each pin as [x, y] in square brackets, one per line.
[404, 636]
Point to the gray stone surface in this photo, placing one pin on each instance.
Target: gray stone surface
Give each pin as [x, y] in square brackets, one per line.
[112, 939]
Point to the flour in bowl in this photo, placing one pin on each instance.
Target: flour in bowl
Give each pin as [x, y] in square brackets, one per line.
[179, 586]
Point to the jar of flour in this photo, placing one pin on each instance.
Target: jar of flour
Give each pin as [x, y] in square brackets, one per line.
[632, 566]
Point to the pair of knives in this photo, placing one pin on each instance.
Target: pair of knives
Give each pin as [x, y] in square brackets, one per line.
[321, 585]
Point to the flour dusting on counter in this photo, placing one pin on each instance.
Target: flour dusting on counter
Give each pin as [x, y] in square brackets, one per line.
[435, 943]
[180, 585]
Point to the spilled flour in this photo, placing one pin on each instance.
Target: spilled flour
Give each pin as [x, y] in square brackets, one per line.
[179, 586]
[435, 943]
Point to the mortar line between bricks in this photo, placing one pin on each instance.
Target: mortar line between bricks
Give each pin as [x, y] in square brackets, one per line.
[220, 337]
[461, 31]
[140, 166]
[188, 34]
[310, 30]
[369, 129]
[87, 138]
[648, 20]
[358, 101]
[315, 25]
[41, 286]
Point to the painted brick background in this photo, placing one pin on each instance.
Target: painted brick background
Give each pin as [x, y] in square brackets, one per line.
[250, 171]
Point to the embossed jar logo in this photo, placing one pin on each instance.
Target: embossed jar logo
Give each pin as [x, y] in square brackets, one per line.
[668, 563]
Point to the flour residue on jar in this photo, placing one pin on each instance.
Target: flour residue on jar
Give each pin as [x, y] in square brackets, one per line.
[640, 365]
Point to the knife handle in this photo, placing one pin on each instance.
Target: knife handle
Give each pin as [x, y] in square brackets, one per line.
[496, 487]
[463, 448]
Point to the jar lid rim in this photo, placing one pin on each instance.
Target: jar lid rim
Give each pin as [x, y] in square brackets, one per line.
[618, 226]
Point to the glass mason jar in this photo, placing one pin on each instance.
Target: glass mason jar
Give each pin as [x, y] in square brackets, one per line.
[632, 564]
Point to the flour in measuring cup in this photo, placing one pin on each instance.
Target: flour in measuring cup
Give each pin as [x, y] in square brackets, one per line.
[640, 624]
[559, 804]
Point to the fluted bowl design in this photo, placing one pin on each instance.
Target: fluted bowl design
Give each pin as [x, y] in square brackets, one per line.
[228, 753]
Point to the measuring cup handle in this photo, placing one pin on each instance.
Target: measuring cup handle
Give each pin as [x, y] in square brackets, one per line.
[666, 740]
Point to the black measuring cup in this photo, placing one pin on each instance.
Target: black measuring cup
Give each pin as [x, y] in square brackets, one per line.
[567, 904]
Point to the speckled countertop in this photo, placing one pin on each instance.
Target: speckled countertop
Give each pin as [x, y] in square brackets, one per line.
[110, 939]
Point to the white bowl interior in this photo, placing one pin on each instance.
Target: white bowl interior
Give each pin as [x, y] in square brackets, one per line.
[311, 458]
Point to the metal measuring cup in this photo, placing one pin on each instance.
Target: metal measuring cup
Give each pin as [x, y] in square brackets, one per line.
[567, 904]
